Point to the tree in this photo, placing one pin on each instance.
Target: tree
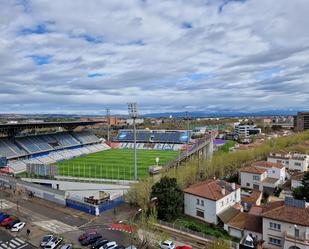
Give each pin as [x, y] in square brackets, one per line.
[170, 198]
[305, 183]
[302, 192]
[298, 193]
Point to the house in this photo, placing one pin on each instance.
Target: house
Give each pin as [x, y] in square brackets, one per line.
[296, 179]
[292, 161]
[249, 199]
[209, 199]
[287, 225]
[263, 176]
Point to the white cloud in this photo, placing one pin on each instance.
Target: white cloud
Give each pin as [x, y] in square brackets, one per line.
[165, 55]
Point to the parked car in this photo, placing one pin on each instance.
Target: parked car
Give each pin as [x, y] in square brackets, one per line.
[12, 223]
[6, 221]
[131, 247]
[46, 239]
[119, 247]
[183, 247]
[99, 243]
[167, 244]
[86, 234]
[109, 245]
[91, 239]
[4, 217]
[18, 226]
[53, 243]
[66, 246]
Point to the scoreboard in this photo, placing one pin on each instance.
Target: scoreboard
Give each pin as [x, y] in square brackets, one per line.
[3, 161]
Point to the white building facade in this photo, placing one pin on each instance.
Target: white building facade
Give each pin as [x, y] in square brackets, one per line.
[206, 200]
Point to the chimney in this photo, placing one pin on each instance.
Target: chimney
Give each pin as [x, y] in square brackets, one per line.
[233, 185]
[223, 190]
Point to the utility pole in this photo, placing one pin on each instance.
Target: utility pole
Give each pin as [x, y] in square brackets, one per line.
[132, 109]
[108, 122]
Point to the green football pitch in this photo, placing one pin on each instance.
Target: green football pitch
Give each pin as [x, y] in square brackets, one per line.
[114, 163]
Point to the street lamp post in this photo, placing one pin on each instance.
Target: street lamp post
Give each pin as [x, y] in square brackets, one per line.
[130, 223]
[132, 109]
[295, 228]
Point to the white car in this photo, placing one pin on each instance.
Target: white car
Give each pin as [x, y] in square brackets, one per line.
[18, 226]
[53, 243]
[109, 245]
[131, 247]
[167, 244]
[46, 239]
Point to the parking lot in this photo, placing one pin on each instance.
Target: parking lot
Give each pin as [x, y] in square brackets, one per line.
[43, 218]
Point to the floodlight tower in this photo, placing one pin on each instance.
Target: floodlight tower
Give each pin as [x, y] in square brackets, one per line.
[132, 109]
[108, 122]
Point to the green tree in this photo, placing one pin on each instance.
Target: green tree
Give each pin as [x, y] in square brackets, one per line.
[302, 192]
[298, 193]
[170, 198]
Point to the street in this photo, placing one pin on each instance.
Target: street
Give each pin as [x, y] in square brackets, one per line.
[8, 241]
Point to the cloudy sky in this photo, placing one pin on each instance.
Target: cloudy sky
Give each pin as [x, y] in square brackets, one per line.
[81, 56]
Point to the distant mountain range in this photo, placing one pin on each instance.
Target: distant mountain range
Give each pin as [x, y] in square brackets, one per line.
[223, 114]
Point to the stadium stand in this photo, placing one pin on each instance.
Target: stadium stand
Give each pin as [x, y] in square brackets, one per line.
[19, 149]
[10, 150]
[86, 137]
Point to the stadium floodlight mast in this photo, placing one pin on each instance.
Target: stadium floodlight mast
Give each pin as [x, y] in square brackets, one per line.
[108, 122]
[132, 109]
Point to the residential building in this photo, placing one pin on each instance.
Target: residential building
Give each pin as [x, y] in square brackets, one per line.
[301, 121]
[209, 199]
[296, 180]
[292, 161]
[287, 226]
[245, 130]
[263, 176]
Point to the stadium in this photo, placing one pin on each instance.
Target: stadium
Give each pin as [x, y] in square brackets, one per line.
[77, 152]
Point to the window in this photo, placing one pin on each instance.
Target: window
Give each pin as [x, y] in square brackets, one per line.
[200, 213]
[275, 226]
[274, 172]
[296, 232]
[202, 203]
[297, 164]
[256, 178]
[248, 184]
[222, 204]
[274, 241]
[197, 201]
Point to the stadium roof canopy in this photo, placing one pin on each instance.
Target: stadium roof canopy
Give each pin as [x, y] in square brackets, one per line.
[18, 127]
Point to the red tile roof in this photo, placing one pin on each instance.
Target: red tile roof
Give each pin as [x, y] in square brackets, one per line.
[293, 215]
[252, 198]
[266, 164]
[211, 189]
[238, 221]
[253, 170]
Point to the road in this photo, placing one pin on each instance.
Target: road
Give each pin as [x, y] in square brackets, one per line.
[8, 241]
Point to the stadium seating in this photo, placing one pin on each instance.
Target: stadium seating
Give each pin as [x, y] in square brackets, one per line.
[86, 137]
[10, 150]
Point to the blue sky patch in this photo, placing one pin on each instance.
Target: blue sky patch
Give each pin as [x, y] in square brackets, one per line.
[41, 59]
[92, 38]
[38, 29]
[95, 75]
[267, 74]
[187, 25]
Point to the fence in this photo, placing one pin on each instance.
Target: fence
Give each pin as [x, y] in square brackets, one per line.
[94, 209]
[232, 244]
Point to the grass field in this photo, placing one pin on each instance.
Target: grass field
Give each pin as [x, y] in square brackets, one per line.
[114, 163]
